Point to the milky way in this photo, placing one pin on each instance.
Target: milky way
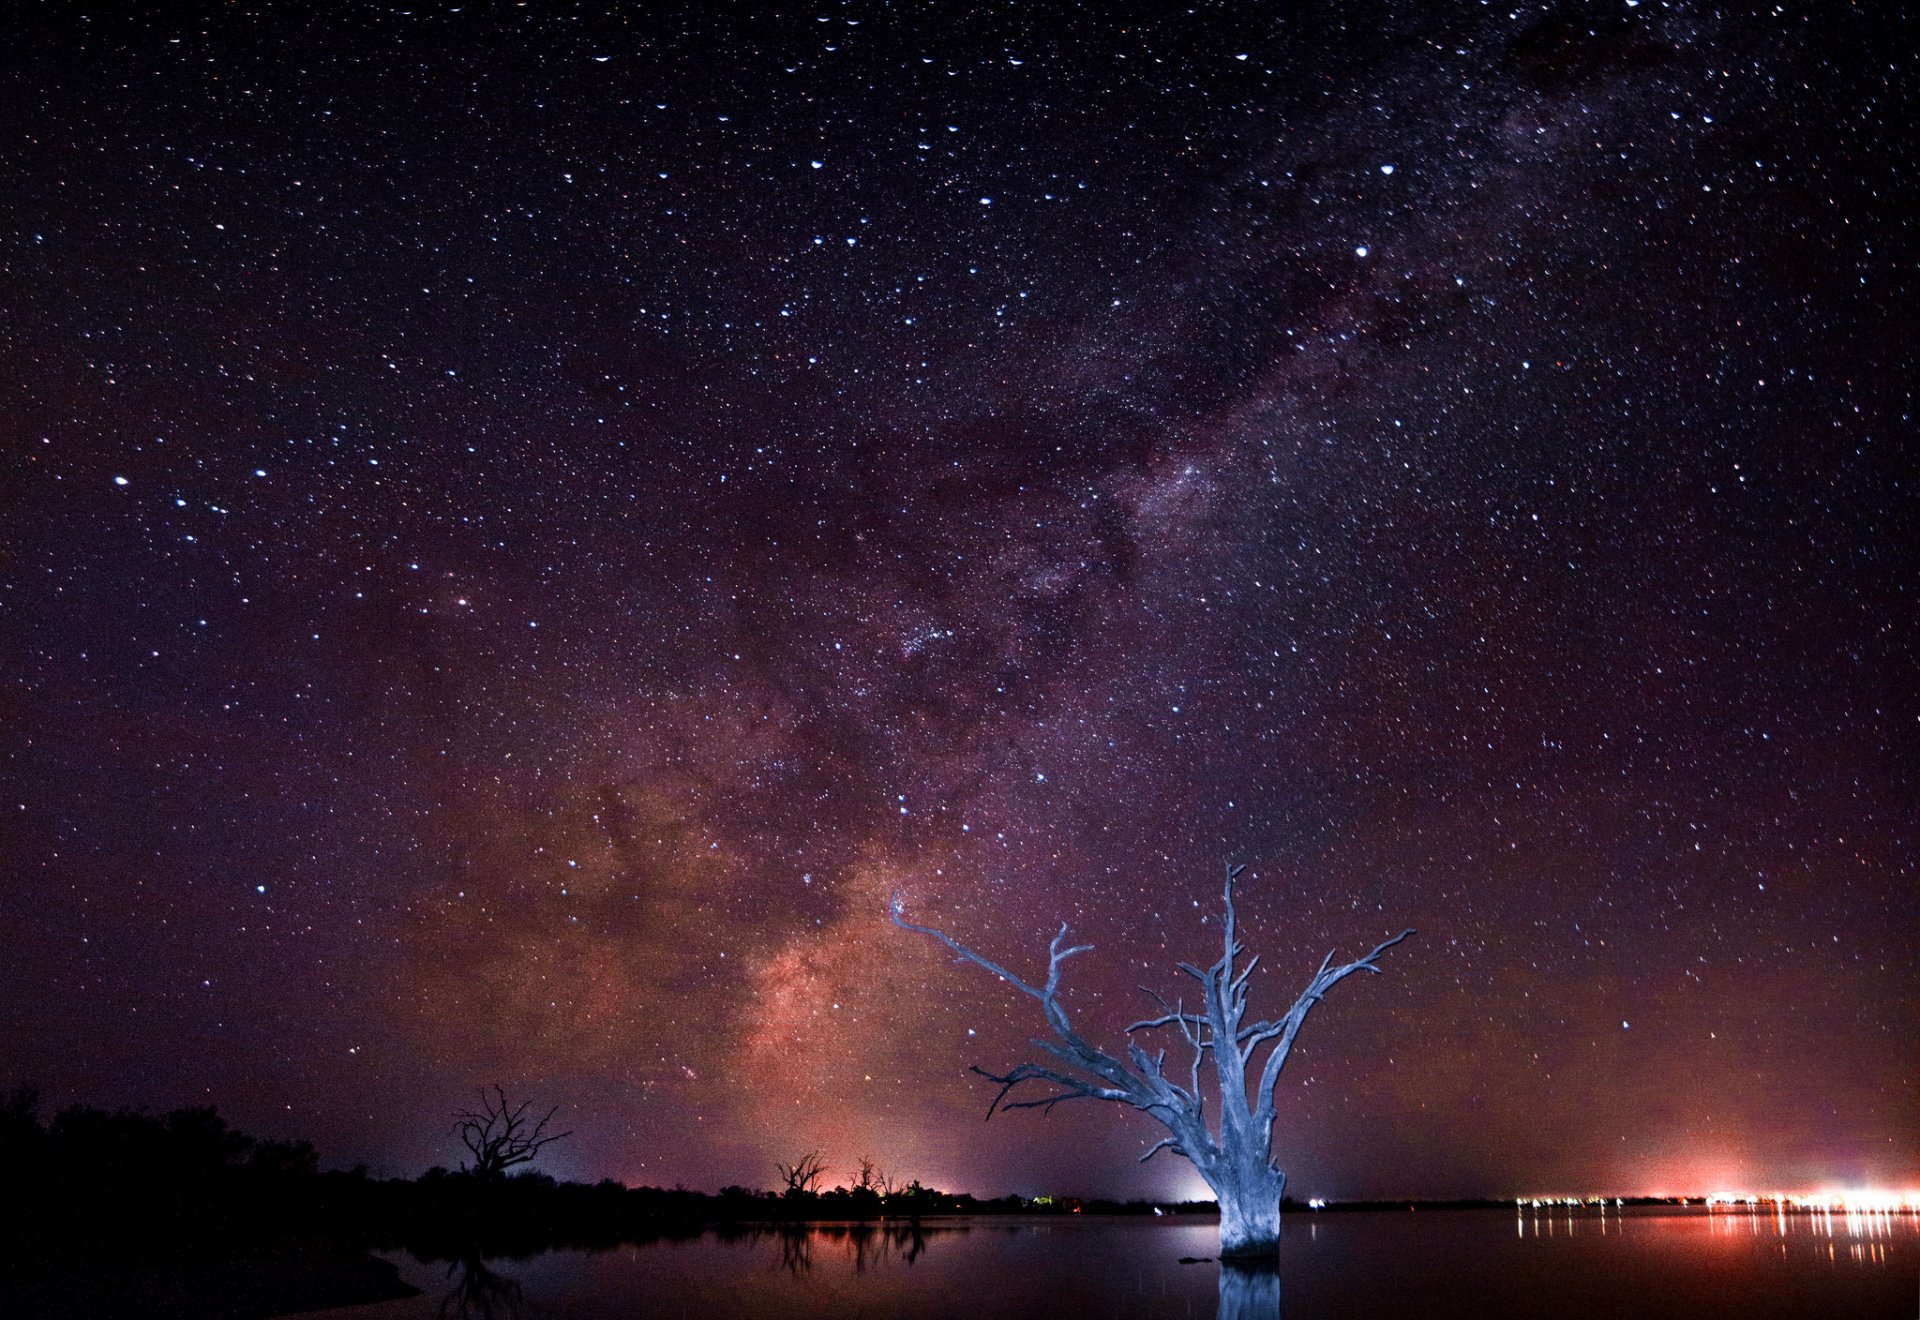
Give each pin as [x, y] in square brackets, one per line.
[524, 529]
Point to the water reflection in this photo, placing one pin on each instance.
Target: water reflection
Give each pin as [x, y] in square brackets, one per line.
[480, 1292]
[1633, 1262]
[796, 1251]
[1556, 1219]
[861, 1245]
[1245, 1291]
[1249, 1291]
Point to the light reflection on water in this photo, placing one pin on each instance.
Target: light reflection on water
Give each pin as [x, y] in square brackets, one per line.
[1819, 1230]
[1571, 1262]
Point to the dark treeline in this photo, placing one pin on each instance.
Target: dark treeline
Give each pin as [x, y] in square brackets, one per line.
[129, 1201]
[106, 1214]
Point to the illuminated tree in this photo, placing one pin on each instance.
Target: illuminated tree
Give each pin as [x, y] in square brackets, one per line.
[1233, 1152]
[498, 1134]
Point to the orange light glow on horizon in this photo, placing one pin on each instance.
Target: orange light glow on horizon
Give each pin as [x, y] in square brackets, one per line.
[1855, 1200]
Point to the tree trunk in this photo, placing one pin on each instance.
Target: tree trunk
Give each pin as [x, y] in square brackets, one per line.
[1249, 1196]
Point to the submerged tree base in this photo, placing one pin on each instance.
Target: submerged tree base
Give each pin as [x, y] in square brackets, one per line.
[1250, 1250]
[1249, 1211]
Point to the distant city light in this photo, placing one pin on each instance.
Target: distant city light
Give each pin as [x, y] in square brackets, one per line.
[1852, 1201]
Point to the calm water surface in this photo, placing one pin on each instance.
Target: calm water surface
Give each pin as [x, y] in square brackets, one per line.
[1352, 1265]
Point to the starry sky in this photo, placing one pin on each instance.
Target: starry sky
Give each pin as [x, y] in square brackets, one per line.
[525, 524]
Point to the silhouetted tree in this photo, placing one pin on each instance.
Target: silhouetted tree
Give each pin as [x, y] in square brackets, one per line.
[870, 1185]
[499, 1136]
[284, 1160]
[200, 1138]
[21, 1136]
[1235, 1155]
[19, 1113]
[802, 1177]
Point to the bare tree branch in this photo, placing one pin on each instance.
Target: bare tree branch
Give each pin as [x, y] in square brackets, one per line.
[1077, 1088]
[868, 1178]
[498, 1136]
[1324, 980]
[803, 1176]
[1165, 1143]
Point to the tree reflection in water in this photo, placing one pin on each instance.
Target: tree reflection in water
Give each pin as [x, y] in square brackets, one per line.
[1464, 1264]
[796, 1251]
[864, 1244]
[1249, 1291]
[480, 1293]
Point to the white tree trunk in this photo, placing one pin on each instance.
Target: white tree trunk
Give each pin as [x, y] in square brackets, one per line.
[1249, 1193]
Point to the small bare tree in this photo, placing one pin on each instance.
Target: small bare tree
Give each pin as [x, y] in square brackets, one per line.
[803, 1176]
[498, 1134]
[1235, 1153]
[873, 1178]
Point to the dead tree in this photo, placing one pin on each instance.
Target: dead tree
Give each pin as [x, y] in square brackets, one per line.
[802, 1177]
[1234, 1152]
[498, 1136]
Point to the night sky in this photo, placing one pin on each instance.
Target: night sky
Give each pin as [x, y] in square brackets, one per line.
[523, 525]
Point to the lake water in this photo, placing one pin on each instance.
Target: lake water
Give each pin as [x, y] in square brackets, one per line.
[1349, 1264]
